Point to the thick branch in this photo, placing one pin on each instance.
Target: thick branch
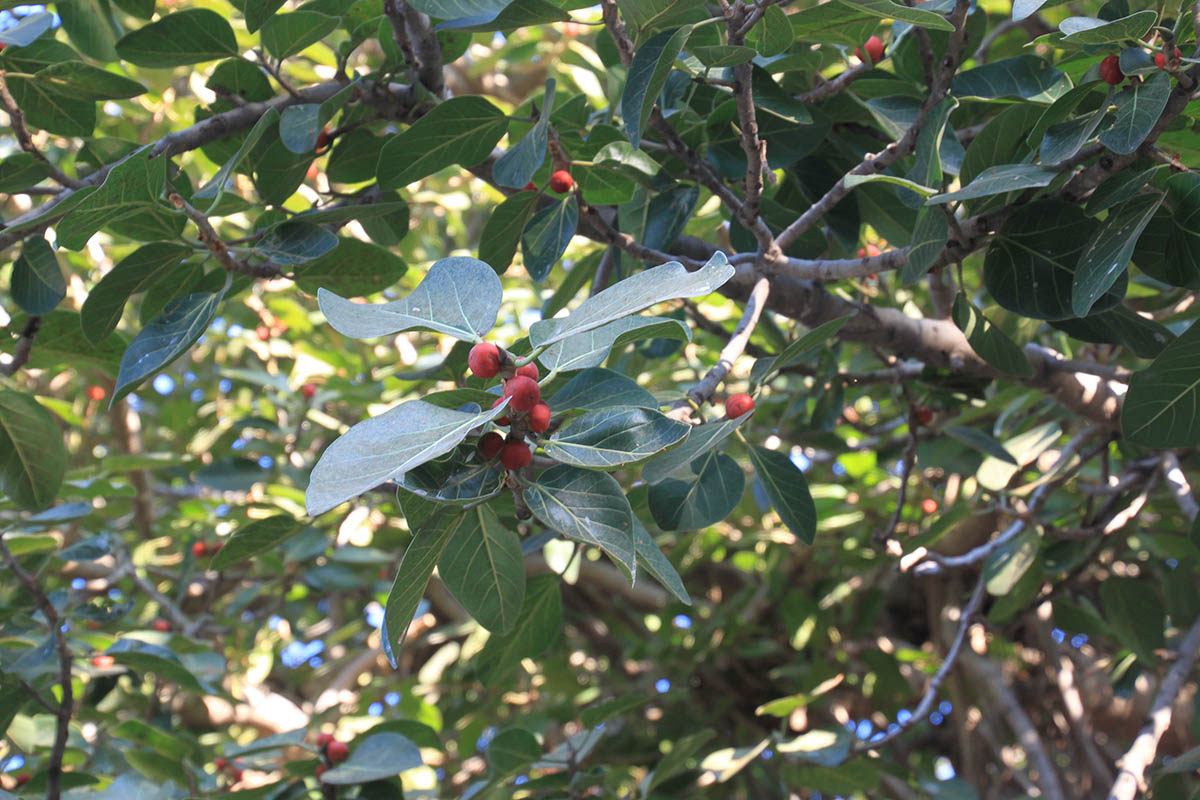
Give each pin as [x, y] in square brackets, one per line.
[414, 34]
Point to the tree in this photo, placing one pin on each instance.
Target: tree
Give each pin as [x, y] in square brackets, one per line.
[524, 398]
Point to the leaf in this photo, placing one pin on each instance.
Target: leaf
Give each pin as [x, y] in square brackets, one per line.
[504, 228]
[381, 448]
[90, 27]
[773, 33]
[596, 388]
[658, 565]
[700, 440]
[432, 526]
[547, 235]
[163, 662]
[1138, 109]
[1026, 76]
[852, 181]
[82, 81]
[455, 480]
[1134, 611]
[516, 167]
[462, 130]
[652, 63]
[38, 284]
[455, 9]
[701, 500]
[1169, 248]
[129, 188]
[725, 55]
[929, 239]
[257, 12]
[483, 567]
[609, 437]
[378, 756]
[536, 629]
[666, 215]
[649, 16]
[354, 268]
[166, 338]
[1108, 252]
[1145, 337]
[592, 348]
[253, 538]
[299, 127]
[1064, 139]
[517, 14]
[21, 171]
[287, 34]
[655, 285]
[133, 274]
[587, 506]
[295, 241]
[27, 29]
[999, 180]
[215, 187]
[787, 489]
[459, 297]
[1030, 267]
[511, 751]
[32, 457]
[1091, 31]
[980, 441]
[811, 340]
[994, 474]
[1162, 407]
[913, 16]
[179, 39]
[988, 341]
[682, 751]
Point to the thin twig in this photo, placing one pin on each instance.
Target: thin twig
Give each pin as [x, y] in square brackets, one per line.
[16, 118]
[24, 346]
[216, 246]
[703, 391]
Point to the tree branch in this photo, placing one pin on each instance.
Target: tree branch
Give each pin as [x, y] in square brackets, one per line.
[423, 52]
[24, 347]
[16, 118]
[703, 391]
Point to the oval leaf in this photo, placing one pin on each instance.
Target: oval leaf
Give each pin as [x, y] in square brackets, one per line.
[1162, 407]
[32, 457]
[482, 565]
[587, 506]
[610, 437]
[788, 491]
[179, 39]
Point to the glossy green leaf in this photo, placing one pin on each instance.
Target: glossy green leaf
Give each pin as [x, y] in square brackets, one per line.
[1169, 247]
[455, 9]
[506, 225]
[1108, 252]
[547, 234]
[597, 388]
[988, 341]
[588, 506]
[378, 756]
[725, 55]
[591, 348]
[658, 565]
[166, 338]
[32, 457]
[133, 274]
[257, 12]
[287, 34]
[180, 39]
[536, 629]
[1134, 610]
[129, 188]
[47, 109]
[517, 14]
[1162, 407]
[773, 33]
[999, 180]
[483, 567]
[903, 13]
[699, 500]
[38, 284]
[702, 438]
[253, 538]
[1138, 109]
[216, 185]
[455, 480]
[929, 239]
[1092, 31]
[787, 489]
[1027, 76]
[516, 167]
[648, 73]
[299, 127]
[811, 340]
[81, 81]
[462, 130]
[1064, 139]
[352, 269]
[609, 437]
[295, 241]
[20, 171]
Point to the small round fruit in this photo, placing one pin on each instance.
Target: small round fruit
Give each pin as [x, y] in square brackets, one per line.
[561, 181]
[103, 661]
[929, 505]
[308, 390]
[539, 418]
[97, 393]
[862, 252]
[522, 393]
[262, 332]
[490, 444]
[1160, 60]
[235, 774]
[504, 420]
[161, 625]
[323, 140]
[738, 404]
[324, 739]
[874, 48]
[1110, 70]
[924, 415]
[199, 549]
[484, 360]
[530, 370]
[319, 771]
[530, 187]
[515, 455]
[337, 752]
[220, 763]
[23, 778]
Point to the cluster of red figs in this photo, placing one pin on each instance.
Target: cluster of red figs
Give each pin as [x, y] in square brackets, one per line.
[1110, 67]
[332, 751]
[528, 412]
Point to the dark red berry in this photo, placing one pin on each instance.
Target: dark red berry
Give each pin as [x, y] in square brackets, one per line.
[530, 370]
[924, 415]
[323, 140]
[484, 360]
[929, 505]
[23, 778]
[530, 187]
[161, 625]
[490, 444]
[515, 455]
[96, 393]
[199, 549]
[1160, 60]
[308, 390]
[220, 763]
[874, 48]
[1110, 70]
[522, 393]
[319, 771]
[262, 332]
[504, 420]
[738, 404]
[324, 739]
[337, 752]
[539, 418]
[561, 181]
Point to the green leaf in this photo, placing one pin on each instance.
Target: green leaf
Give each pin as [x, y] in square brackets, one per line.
[1064, 139]
[61, 345]
[1162, 407]
[547, 235]
[455, 480]
[1169, 248]
[655, 285]
[658, 565]
[700, 440]
[81, 81]
[504, 229]
[381, 448]
[215, 188]
[253, 538]
[165, 339]
[587, 506]
[352, 269]
[999, 180]
[462, 130]
[649, 16]
[682, 751]
[1108, 252]
[1092, 31]
[51, 111]
[609, 437]
[38, 284]
[630, 159]
[1145, 337]
[133, 274]
[354, 157]
[456, 9]
[1030, 267]
[817, 337]
[1005, 139]
[32, 457]
[1138, 109]
[896, 11]
[536, 629]
[980, 441]
[378, 756]
[929, 239]
[163, 662]
[994, 473]
[180, 39]
[483, 567]
[1026, 76]
[787, 489]
[772, 34]
[295, 241]
[516, 167]
[459, 297]
[592, 348]
[432, 526]
[704, 499]
[299, 127]
[511, 751]
[517, 14]
[128, 189]
[1134, 610]
[988, 341]
[596, 388]
[882, 177]
[647, 76]
[89, 24]
[726, 55]
[21, 171]
[139, 732]
[287, 34]
[257, 12]
[27, 29]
